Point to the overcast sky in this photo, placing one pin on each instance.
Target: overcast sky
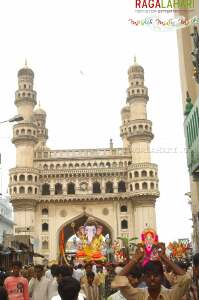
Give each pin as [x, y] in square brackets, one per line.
[62, 38]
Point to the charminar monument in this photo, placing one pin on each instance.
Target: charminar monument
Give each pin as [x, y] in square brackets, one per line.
[57, 190]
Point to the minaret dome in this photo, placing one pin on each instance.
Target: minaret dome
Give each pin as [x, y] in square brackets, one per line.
[39, 111]
[136, 70]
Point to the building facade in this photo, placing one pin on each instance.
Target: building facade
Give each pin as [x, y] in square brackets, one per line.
[6, 217]
[185, 48]
[55, 189]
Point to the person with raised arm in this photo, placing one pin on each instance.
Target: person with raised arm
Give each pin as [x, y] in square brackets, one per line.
[153, 276]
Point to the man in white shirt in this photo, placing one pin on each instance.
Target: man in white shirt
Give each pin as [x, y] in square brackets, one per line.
[48, 274]
[78, 273]
[39, 285]
[68, 288]
[53, 285]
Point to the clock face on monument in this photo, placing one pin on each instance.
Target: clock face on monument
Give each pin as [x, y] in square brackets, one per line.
[83, 186]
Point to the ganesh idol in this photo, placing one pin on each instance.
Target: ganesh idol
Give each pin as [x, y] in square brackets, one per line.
[91, 241]
[149, 241]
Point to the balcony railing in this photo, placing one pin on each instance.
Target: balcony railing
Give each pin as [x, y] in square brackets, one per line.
[191, 127]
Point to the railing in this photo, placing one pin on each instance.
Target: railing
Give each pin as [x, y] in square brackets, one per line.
[191, 127]
[87, 153]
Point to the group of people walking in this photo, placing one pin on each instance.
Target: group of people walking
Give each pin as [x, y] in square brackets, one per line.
[162, 279]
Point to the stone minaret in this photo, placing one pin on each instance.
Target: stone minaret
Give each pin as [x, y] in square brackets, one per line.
[42, 131]
[24, 177]
[25, 132]
[136, 133]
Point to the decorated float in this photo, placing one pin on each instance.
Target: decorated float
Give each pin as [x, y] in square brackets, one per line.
[90, 244]
[86, 244]
[179, 250]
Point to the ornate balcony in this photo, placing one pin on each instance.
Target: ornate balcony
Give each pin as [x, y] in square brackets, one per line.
[191, 127]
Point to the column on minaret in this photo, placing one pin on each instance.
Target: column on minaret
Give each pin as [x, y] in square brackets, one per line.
[25, 138]
[139, 128]
[125, 113]
[25, 96]
[136, 132]
[39, 117]
[25, 132]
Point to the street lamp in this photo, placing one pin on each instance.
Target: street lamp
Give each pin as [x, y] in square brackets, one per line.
[13, 119]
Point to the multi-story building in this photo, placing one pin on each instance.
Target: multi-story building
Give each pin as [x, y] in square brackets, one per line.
[55, 189]
[188, 83]
[6, 217]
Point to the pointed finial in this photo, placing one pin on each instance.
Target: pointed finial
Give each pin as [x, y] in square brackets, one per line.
[39, 104]
[111, 143]
[135, 61]
[26, 65]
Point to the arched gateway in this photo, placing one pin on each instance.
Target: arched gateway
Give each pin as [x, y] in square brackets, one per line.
[70, 228]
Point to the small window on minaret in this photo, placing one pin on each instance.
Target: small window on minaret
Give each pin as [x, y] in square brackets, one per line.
[137, 83]
[123, 208]
[152, 185]
[24, 86]
[45, 227]
[44, 211]
[137, 187]
[21, 177]
[21, 190]
[124, 224]
[29, 190]
[29, 177]
[151, 173]
[144, 173]
[144, 185]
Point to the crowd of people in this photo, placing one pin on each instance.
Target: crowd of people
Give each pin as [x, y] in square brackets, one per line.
[155, 280]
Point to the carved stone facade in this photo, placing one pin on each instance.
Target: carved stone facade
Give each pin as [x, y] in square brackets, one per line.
[50, 189]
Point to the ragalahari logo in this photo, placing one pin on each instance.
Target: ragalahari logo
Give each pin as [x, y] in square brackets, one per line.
[164, 4]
